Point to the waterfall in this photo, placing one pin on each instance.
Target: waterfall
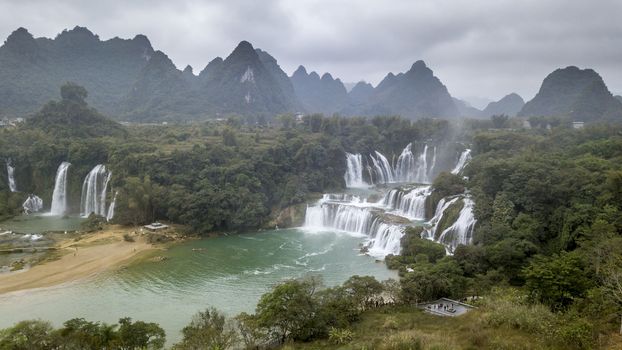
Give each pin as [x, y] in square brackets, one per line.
[409, 204]
[94, 191]
[32, 204]
[382, 170]
[59, 196]
[465, 157]
[11, 176]
[461, 232]
[405, 165]
[110, 214]
[354, 171]
[430, 174]
[443, 204]
[356, 217]
[422, 169]
[384, 239]
[408, 168]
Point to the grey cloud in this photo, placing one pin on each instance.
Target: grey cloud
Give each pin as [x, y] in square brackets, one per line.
[477, 48]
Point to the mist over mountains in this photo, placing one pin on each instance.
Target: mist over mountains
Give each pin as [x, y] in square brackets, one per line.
[129, 80]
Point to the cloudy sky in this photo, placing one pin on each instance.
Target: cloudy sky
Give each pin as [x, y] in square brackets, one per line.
[477, 48]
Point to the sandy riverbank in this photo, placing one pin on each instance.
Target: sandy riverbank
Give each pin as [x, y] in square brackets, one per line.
[92, 254]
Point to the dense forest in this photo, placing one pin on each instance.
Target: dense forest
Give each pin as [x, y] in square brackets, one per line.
[225, 176]
[545, 268]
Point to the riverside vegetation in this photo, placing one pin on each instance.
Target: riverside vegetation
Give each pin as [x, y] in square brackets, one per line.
[545, 266]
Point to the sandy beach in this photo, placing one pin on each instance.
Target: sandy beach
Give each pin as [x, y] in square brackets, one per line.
[94, 253]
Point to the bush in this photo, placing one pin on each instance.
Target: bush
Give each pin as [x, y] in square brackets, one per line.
[340, 336]
[128, 238]
[576, 333]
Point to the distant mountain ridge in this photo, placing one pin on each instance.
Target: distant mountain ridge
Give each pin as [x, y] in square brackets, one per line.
[129, 80]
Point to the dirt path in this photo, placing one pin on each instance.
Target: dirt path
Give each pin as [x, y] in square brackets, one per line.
[93, 254]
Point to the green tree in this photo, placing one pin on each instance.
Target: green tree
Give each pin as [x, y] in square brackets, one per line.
[289, 310]
[28, 335]
[364, 291]
[557, 280]
[78, 333]
[139, 335]
[209, 330]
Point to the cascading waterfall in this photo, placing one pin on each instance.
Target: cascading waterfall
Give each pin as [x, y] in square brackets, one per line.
[405, 165]
[355, 217]
[11, 176]
[94, 191]
[59, 196]
[32, 204]
[408, 168]
[383, 222]
[409, 204]
[354, 171]
[430, 174]
[384, 239]
[465, 157]
[443, 204]
[381, 169]
[110, 214]
[422, 169]
[461, 232]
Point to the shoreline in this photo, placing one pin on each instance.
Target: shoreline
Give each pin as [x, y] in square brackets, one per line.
[93, 254]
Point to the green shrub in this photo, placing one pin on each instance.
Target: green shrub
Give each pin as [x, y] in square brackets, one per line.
[340, 336]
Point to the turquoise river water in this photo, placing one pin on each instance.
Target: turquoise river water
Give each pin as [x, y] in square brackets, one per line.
[229, 273]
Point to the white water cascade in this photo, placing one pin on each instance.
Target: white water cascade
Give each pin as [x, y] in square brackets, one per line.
[409, 204]
[32, 204]
[408, 168]
[94, 191]
[382, 171]
[355, 216]
[430, 173]
[465, 157]
[59, 196]
[383, 222]
[354, 171]
[11, 176]
[461, 231]
[110, 214]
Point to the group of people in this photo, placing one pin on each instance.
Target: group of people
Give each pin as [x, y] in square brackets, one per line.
[441, 306]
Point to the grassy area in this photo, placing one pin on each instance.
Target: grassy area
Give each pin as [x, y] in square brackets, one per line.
[410, 328]
[501, 321]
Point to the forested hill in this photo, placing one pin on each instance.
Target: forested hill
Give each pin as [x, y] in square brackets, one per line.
[32, 70]
[578, 94]
[71, 117]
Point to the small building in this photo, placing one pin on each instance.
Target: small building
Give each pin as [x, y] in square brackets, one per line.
[155, 226]
[578, 125]
[446, 307]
